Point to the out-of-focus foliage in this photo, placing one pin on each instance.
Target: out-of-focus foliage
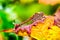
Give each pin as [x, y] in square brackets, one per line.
[51, 2]
[19, 10]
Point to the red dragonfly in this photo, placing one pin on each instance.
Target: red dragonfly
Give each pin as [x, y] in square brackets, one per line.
[37, 17]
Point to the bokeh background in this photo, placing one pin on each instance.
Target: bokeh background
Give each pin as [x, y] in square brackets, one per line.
[17, 11]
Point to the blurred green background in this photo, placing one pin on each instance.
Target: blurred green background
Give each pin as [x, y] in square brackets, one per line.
[18, 11]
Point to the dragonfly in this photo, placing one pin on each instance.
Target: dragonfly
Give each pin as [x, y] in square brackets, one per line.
[37, 17]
